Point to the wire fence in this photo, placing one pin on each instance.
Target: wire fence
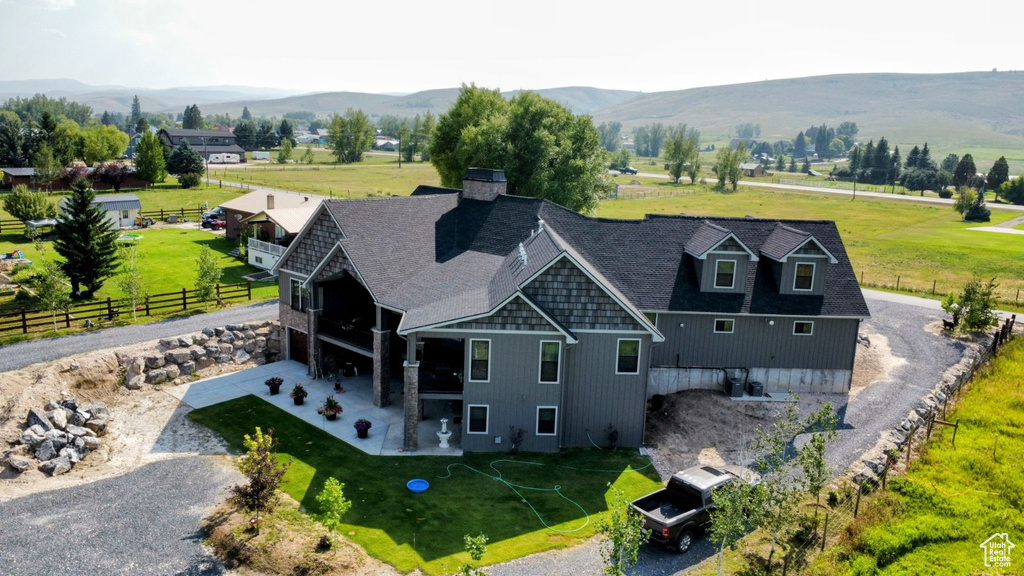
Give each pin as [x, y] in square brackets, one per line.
[1004, 296]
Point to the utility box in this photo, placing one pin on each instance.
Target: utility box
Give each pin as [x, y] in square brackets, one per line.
[755, 389]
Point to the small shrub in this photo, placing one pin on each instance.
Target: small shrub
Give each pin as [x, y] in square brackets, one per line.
[945, 193]
[864, 566]
[189, 180]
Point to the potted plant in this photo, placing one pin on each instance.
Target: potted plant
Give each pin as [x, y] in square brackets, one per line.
[330, 408]
[362, 427]
[298, 394]
[274, 383]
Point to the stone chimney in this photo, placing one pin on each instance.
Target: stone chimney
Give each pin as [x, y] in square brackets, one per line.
[270, 201]
[483, 184]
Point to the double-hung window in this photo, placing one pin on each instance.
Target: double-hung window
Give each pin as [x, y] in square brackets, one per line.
[628, 360]
[804, 279]
[479, 360]
[550, 355]
[725, 274]
[478, 415]
[547, 417]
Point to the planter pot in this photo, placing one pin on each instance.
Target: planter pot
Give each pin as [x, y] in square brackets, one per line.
[362, 433]
[274, 390]
[298, 401]
[331, 417]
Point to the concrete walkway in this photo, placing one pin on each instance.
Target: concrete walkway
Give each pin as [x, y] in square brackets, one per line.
[386, 434]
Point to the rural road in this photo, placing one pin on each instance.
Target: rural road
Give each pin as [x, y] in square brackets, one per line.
[143, 522]
[21, 354]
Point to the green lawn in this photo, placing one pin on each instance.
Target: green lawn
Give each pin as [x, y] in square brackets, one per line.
[933, 519]
[920, 243]
[341, 181]
[425, 530]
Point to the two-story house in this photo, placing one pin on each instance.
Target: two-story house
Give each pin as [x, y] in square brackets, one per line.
[206, 142]
[526, 315]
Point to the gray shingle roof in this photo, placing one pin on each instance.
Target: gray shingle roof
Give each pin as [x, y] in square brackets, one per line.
[705, 238]
[19, 172]
[179, 132]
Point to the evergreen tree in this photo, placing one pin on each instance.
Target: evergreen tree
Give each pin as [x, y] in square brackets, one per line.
[185, 160]
[12, 140]
[426, 135]
[792, 164]
[966, 173]
[854, 160]
[949, 163]
[999, 173]
[913, 157]
[142, 126]
[266, 135]
[136, 111]
[925, 159]
[86, 241]
[149, 159]
[800, 146]
[105, 119]
[193, 118]
[896, 166]
[780, 163]
[245, 134]
[287, 131]
[246, 115]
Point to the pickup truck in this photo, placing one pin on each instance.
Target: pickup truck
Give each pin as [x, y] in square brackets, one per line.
[675, 514]
[627, 170]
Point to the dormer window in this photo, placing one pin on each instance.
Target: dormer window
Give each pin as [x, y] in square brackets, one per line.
[725, 274]
[804, 278]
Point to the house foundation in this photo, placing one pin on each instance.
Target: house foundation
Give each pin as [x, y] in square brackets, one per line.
[668, 380]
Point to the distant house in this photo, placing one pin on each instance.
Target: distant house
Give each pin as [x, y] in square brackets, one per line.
[206, 142]
[17, 176]
[516, 314]
[239, 209]
[753, 170]
[323, 135]
[121, 209]
[385, 143]
[272, 231]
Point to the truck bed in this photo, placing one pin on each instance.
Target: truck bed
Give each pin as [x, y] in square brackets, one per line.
[664, 507]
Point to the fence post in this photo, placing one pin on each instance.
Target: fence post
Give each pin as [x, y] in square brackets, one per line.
[856, 507]
[824, 532]
[147, 305]
[161, 214]
[897, 282]
[67, 319]
[24, 322]
[110, 309]
[248, 289]
[218, 290]
[933, 287]
[184, 299]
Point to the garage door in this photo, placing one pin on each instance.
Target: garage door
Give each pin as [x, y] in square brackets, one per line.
[298, 346]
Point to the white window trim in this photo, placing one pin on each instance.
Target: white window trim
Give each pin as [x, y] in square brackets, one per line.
[292, 295]
[795, 322]
[639, 355]
[471, 341]
[732, 326]
[540, 363]
[813, 271]
[734, 267]
[537, 426]
[469, 412]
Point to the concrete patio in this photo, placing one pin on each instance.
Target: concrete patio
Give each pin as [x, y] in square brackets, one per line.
[385, 438]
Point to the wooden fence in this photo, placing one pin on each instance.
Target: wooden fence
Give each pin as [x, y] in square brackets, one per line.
[25, 321]
[12, 226]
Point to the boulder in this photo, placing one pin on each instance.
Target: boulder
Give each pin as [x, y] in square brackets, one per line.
[241, 357]
[56, 466]
[38, 418]
[70, 403]
[187, 368]
[172, 371]
[155, 362]
[201, 339]
[31, 439]
[52, 405]
[227, 338]
[79, 417]
[133, 381]
[18, 464]
[204, 363]
[212, 351]
[58, 438]
[237, 344]
[225, 349]
[98, 409]
[158, 376]
[97, 425]
[71, 454]
[218, 331]
[178, 356]
[234, 327]
[91, 442]
[209, 332]
[196, 353]
[78, 430]
[169, 343]
[260, 341]
[238, 334]
[137, 365]
[184, 341]
[46, 451]
[223, 358]
[249, 346]
[59, 418]
[249, 335]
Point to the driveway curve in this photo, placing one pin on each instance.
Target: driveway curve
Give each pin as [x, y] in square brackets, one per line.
[144, 522]
[21, 354]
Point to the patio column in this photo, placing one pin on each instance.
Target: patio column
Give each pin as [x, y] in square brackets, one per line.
[312, 342]
[411, 408]
[381, 367]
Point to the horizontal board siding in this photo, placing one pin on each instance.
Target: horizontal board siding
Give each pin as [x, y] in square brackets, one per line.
[596, 397]
[755, 343]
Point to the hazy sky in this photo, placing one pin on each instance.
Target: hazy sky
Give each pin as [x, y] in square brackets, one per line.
[406, 46]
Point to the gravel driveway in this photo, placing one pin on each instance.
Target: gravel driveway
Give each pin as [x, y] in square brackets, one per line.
[144, 522]
[21, 354]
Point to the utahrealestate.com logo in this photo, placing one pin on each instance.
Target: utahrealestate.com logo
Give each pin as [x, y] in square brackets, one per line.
[997, 550]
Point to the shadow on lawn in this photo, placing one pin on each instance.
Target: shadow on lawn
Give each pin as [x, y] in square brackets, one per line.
[498, 494]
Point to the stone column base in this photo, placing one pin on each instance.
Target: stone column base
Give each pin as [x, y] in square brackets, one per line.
[381, 368]
[411, 407]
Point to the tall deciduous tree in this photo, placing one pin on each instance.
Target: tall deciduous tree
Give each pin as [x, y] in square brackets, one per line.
[682, 153]
[149, 159]
[351, 134]
[47, 169]
[610, 135]
[545, 151]
[192, 119]
[102, 143]
[727, 165]
[12, 140]
[114, 173]
[86, 241]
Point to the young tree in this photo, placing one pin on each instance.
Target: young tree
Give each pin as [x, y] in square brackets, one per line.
[426, 135]
[25, 205]
[998, 174]
[780, 163]
[208, 272]
[811, 456]
[193, 118]
[51, 287]
[149, 159]
[47, 169]
[260, 466]
[965, 199]
[729, 520]
[778, 492]
[792, 164]
[623, 534]
[130, 281]
[727, 165]
[307, 156]
[86, 241]
[972, 308]
[285, 153]
[333, 504]
[476, 546]
[350, 136]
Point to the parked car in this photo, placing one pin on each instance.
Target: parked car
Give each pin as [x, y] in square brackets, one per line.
[214, 223]
[676, 514]
[627, 170]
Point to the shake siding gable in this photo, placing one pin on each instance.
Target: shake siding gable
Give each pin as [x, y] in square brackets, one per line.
[313, 245]
[576, 301]
[517, 315]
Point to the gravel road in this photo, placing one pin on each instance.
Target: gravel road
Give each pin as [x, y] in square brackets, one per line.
[144, 522]
[21, 354]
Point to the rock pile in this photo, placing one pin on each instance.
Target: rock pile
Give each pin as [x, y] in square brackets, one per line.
[59, 436]
[179, 358]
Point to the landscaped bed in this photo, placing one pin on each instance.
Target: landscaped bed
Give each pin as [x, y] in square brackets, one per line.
[465, 496]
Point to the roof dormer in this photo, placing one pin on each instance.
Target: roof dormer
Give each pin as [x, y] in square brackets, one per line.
[720, 259]
[800, 261]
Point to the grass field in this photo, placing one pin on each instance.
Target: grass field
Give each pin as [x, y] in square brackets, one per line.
[933, 519]
[425, 530]
[340, 181]
[918, 243]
